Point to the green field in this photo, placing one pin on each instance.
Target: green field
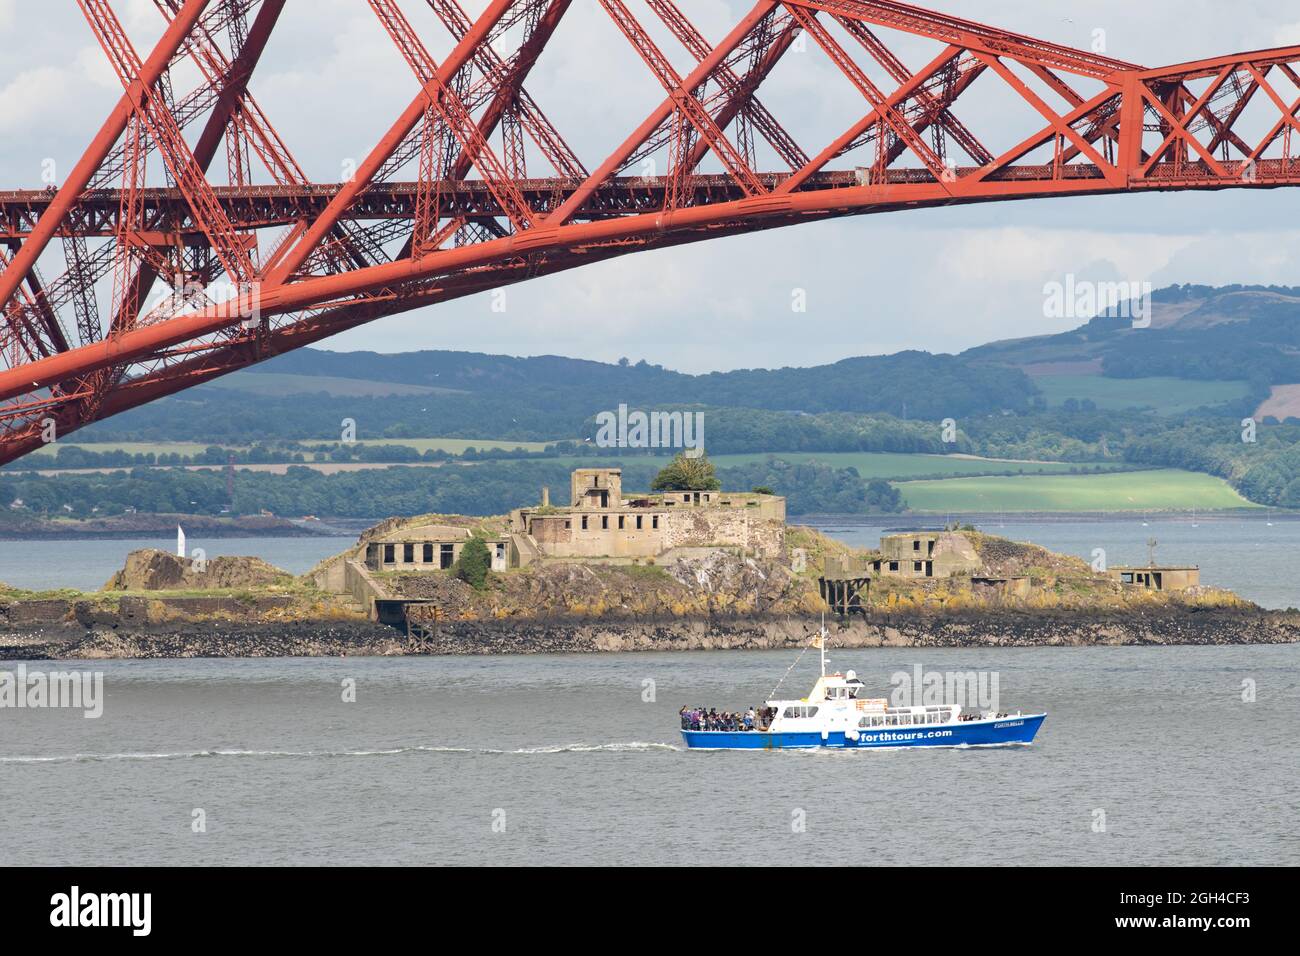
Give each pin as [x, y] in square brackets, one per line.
[1165, 396]
[904, 466]
[1163, 490]
[869, 464]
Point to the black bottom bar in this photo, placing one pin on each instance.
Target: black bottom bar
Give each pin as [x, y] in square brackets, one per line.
[333, 906]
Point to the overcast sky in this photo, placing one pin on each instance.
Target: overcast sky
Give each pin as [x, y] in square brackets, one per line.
[939, 280]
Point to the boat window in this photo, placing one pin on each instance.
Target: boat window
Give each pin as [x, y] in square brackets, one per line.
[801, 712]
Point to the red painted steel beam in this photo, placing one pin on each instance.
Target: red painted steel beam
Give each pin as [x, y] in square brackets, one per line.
[379, 155]
[99, 147]
[615, 161]
[510, 87]
[234, 89]
[1144, 130]
[324, 289]
[970, 35]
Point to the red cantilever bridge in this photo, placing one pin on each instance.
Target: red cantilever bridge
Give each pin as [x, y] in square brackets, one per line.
[112, 284]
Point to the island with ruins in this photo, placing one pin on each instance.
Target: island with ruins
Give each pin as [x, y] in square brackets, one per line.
[686, 565]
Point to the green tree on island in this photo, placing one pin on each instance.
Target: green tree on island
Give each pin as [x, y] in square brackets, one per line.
[474, 563]
[686, 474]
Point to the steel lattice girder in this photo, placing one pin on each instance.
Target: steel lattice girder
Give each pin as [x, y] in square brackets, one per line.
[474, 220]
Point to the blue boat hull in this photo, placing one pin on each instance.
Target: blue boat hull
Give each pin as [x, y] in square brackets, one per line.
[976, 733]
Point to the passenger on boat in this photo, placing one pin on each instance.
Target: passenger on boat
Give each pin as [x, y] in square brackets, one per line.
[699, 718]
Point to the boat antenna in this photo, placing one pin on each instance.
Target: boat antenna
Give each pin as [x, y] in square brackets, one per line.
[794, 665]
[821, 641]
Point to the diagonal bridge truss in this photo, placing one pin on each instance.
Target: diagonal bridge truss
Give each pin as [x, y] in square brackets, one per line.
[188, 242]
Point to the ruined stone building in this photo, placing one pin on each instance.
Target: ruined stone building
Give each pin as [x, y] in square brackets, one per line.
[846, 581]
[926, 554]
[1154, 577]
[428, 547]
[602, 523]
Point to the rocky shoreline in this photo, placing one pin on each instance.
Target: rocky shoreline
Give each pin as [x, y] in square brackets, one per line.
[89, 640]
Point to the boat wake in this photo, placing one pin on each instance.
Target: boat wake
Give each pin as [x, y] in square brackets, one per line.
[630, 747]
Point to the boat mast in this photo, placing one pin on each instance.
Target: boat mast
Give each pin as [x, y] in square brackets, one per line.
[821, 641]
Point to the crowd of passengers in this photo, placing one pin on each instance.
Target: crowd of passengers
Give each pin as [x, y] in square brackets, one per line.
[697, 718]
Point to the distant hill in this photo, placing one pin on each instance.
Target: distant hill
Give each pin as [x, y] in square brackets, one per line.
[1234, 333]
[909, 384]
[1227, 351]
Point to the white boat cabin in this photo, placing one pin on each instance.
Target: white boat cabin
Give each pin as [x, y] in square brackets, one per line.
[835, 704]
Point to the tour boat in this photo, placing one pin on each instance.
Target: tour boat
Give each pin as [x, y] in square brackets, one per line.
[837, 715]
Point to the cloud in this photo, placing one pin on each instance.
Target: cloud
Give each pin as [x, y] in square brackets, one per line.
[26, 97]
[1288, 35]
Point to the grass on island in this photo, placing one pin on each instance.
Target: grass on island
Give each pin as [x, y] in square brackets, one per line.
[1160, 490]
[1165, 396]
